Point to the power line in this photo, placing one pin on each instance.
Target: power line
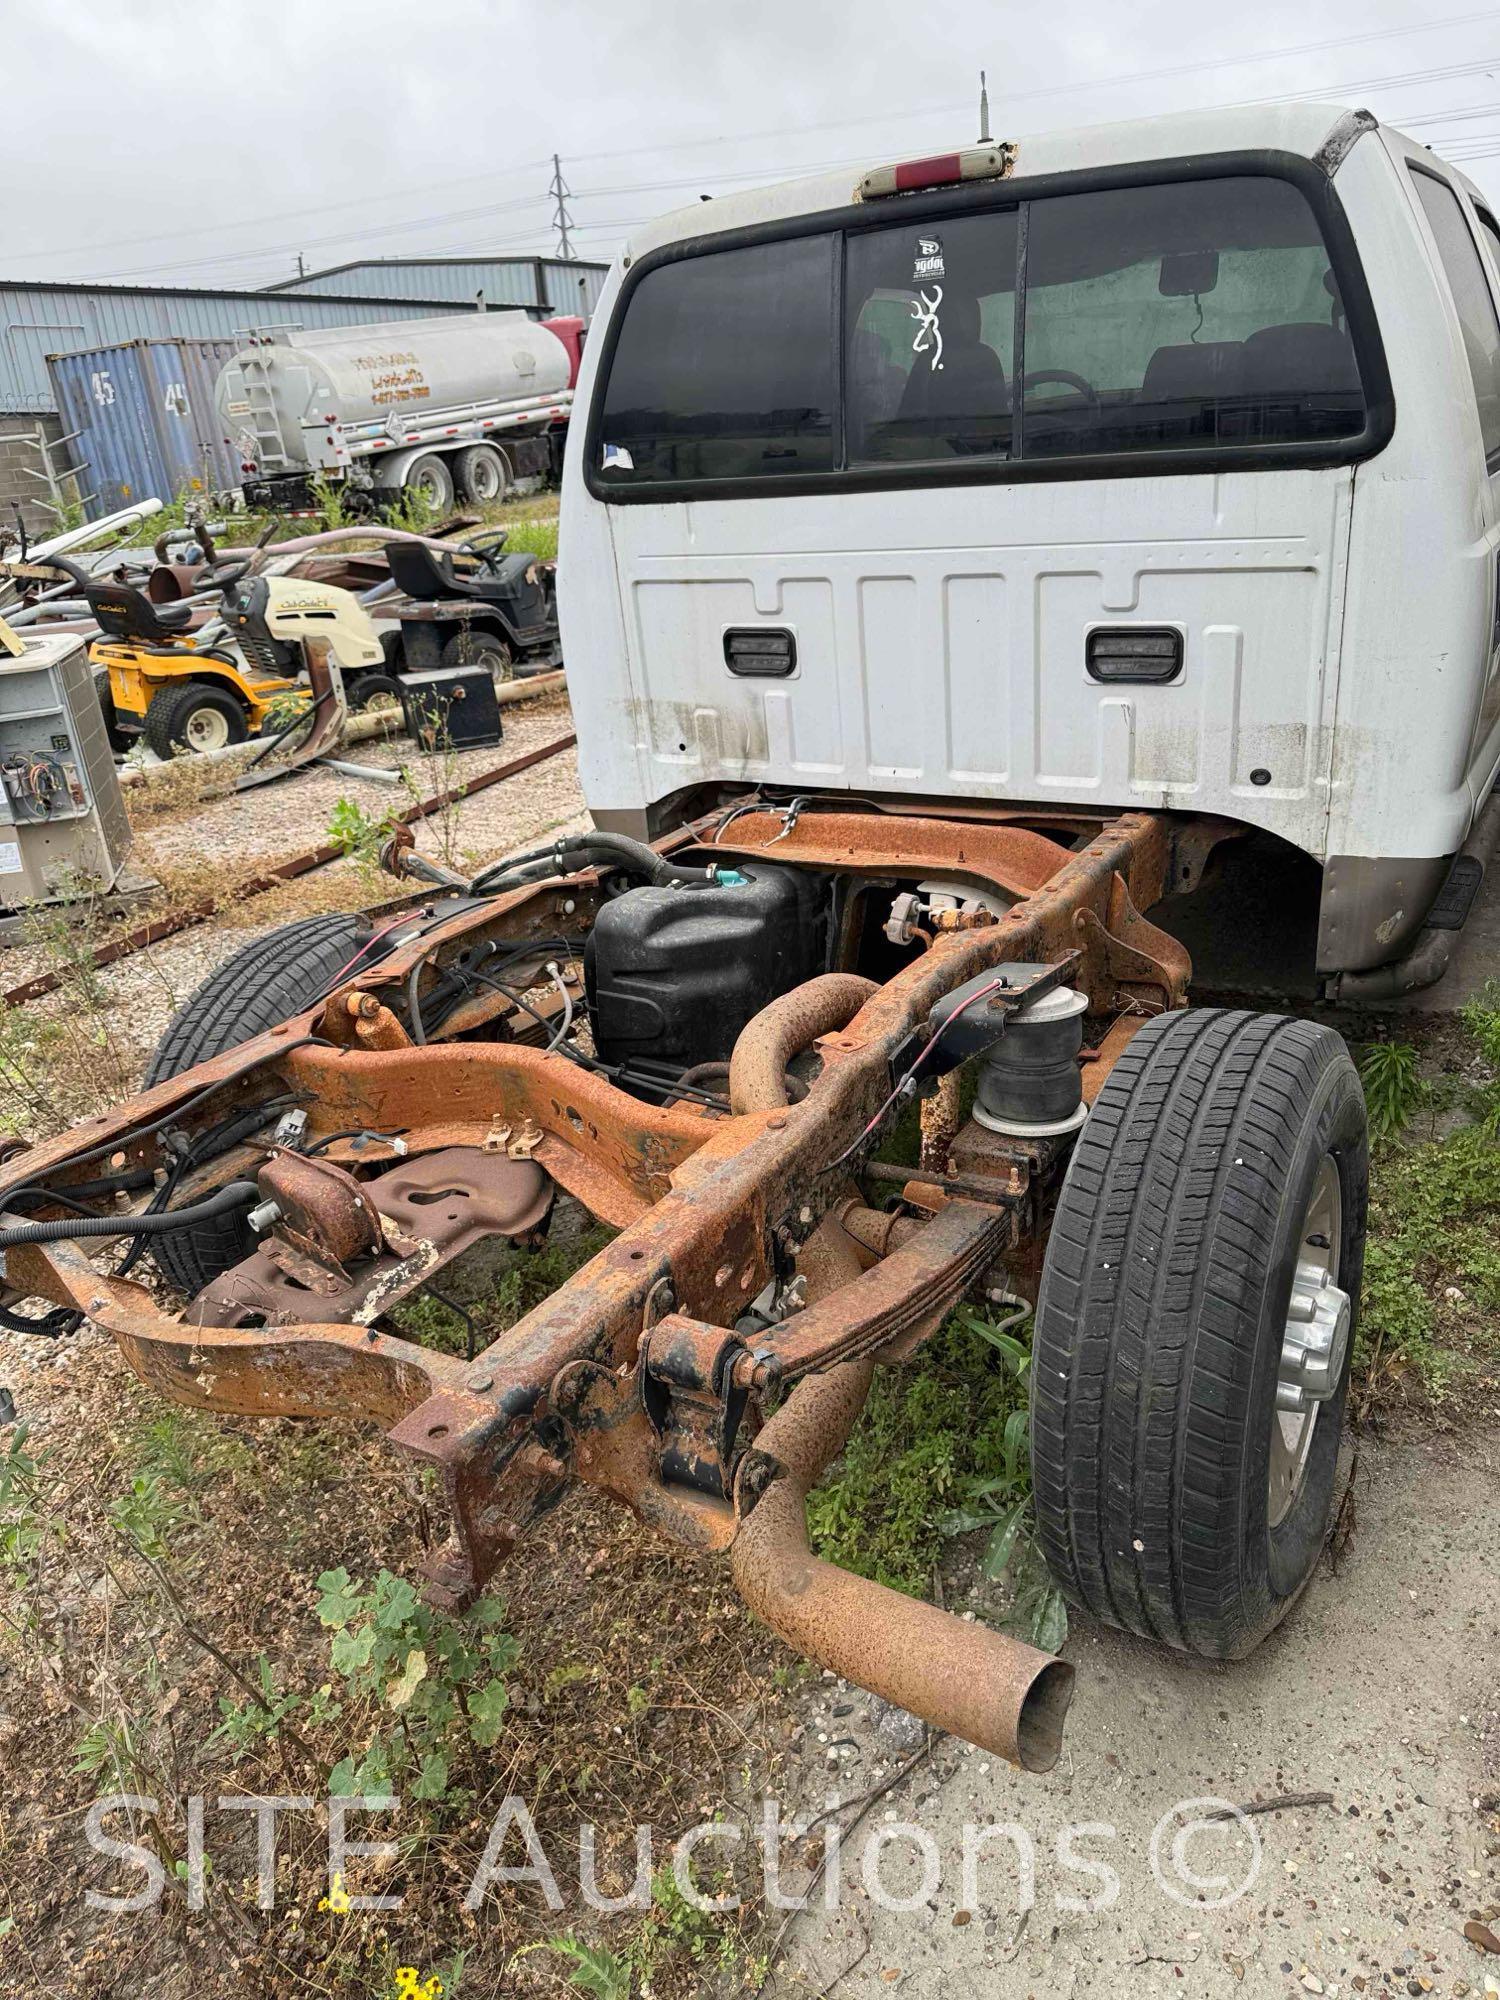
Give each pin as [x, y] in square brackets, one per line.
[750, 175]
[1113, 81]
[559, 193]
[340, 236]
[285, 215]
[1450, 117]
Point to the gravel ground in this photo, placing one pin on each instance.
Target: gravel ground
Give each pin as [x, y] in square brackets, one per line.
[284, 818]
[1379, 1693]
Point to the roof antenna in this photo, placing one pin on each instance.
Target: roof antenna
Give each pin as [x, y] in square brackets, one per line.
[984, 113]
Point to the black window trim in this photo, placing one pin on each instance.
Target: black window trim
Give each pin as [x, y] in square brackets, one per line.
[1492, 458]
[977, 197]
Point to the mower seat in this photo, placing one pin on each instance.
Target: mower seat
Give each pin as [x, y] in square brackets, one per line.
[123, 612]
[425, 573]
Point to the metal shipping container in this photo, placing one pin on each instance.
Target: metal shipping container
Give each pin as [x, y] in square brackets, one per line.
[146, 420]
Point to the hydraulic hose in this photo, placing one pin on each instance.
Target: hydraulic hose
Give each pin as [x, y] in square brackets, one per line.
[635, 856]
[237, 1194]
[587, 850]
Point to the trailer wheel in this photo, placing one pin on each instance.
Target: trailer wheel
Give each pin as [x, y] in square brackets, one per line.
[1194, 1328]
[258, 988]
[483, 474]
[479, 649]
[429, 476]
[193, 715]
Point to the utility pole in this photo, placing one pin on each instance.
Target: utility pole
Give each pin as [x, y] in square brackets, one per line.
[562, 221]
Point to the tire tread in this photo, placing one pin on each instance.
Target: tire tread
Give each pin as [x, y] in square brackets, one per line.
[1148, 1323]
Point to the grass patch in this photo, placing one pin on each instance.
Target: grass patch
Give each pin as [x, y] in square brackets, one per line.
[1432, 1264]
[929, 1433]
[533, 538]
[521, 1281]
[1431, 1302]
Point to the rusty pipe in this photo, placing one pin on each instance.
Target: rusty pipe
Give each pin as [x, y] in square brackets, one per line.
[767, 1044]
[964, 1678]
[877, 1230]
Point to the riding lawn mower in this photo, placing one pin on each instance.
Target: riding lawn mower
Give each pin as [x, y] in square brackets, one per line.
[186, 690]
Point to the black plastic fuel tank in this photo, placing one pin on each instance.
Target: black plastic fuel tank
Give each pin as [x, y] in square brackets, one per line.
[674, 974]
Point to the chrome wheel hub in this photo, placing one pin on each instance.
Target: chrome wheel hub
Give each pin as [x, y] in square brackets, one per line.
[1314, 1342]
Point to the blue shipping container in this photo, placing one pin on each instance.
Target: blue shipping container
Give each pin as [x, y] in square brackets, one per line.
[146, 420]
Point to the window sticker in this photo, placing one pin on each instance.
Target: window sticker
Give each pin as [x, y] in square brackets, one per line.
[616, 458]
[929, 335]
[927, 265]
[929, 260]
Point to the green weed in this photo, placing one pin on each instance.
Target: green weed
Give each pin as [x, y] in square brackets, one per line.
[533, 538]
[358, 833]
[427, 1688]
[929, 1434]
[1394, 1088]
[593, 1968]
[524, 1281]
[1001, 1502]
[1482, 1019]
[673, 1932]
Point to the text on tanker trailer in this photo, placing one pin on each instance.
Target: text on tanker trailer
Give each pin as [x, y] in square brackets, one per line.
[469, 404]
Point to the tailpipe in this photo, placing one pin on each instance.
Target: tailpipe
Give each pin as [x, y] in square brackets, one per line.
[963, 1678]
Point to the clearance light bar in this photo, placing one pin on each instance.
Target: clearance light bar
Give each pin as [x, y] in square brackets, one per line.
[976, 163]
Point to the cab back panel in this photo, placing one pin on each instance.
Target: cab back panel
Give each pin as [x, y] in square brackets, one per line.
[958, 669]
[1341, 663]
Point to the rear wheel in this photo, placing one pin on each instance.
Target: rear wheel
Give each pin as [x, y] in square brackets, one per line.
[479, 649]
[259, 987]
[1194, 1328]
[483, 474]
[194, 715]
[430, 477]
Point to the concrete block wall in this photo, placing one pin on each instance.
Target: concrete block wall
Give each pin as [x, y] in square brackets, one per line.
[19, 458]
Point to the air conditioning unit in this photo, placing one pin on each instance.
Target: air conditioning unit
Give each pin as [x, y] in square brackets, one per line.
[62, 817]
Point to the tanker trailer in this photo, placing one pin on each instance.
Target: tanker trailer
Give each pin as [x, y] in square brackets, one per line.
[468, 404]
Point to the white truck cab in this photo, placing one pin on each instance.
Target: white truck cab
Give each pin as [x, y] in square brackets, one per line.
[1154, 465]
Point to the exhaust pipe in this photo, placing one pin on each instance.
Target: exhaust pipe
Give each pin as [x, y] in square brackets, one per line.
[962, 1678]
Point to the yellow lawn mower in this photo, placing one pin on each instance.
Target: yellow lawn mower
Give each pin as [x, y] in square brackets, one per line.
[190, 691]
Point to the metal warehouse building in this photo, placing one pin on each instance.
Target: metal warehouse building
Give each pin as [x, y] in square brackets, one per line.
[38, 320]
[555, 284]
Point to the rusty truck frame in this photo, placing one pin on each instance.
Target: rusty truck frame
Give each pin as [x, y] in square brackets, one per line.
[637, 1376]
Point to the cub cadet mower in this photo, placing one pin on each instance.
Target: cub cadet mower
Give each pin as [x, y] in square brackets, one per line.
[189, 691]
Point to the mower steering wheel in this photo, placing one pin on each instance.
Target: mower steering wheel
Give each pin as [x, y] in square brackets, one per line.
[487, 554]
[223, 576]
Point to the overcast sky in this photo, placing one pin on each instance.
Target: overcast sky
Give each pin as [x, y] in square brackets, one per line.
[209, 145]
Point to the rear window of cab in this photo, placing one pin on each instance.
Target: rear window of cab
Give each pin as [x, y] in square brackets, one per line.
[1200, 318]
